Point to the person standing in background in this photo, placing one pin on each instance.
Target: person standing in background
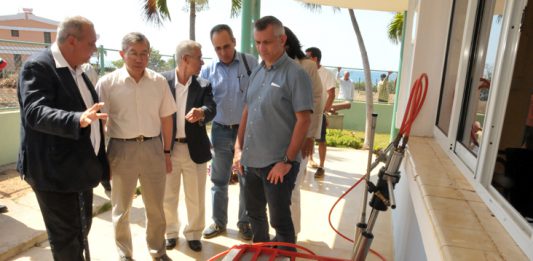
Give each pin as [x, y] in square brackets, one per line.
[193, 97]
[345, 86]
[294, 50]
[328, 95]
[229, 75]
[383, 88]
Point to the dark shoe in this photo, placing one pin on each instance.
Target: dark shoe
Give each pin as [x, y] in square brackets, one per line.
[245, 232]
[171, 243]
[106, 184]
[3, 209]
[195, 245]
[319, 173]
[162, 258]
[214, 230]
[126, 258]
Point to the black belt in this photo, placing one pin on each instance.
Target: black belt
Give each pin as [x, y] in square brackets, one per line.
[181, 140]
[231, 127]
[139, 138]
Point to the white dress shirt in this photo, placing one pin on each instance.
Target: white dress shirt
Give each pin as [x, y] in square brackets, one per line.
[181, 102]
[84, 91]
[135, 108]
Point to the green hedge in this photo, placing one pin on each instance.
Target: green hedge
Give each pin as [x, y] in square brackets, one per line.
[354, 139]
[343, 138]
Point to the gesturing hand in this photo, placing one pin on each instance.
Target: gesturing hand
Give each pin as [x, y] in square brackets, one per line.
[194, 115]
[92, 114]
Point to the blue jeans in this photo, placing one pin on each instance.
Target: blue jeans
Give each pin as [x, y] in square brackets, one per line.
[259, 192]
[223, 140]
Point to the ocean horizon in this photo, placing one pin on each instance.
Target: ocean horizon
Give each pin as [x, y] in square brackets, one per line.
[358, 75]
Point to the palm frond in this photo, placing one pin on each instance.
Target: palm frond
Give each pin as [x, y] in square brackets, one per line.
[236, 7]
[155, 11]
[316, 8]
[312, 7]
[394, 29]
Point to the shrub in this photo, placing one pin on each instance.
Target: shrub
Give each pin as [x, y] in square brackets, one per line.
[9, 81]
[343, 138]
[354, 139]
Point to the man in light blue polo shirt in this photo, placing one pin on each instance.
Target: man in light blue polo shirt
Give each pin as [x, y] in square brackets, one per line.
[229, 76]
[274, 123]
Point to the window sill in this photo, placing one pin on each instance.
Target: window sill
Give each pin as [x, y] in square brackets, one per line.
[459, 223]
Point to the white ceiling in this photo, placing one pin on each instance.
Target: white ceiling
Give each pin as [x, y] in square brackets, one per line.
[376, 5]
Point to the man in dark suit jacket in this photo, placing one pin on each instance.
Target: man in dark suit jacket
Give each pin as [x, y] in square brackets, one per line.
[62, 153]
[191, 148]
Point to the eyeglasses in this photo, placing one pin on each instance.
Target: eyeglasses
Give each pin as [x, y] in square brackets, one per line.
[142, 55]
[199, 58]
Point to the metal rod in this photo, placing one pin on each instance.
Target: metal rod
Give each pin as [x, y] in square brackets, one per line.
[392, 200]
[362, 247]
[360, 228]
[369, 164]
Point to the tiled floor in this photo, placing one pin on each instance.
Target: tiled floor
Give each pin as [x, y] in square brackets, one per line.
[343, 168]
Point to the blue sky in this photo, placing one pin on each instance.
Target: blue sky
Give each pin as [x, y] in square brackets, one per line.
[331, 31]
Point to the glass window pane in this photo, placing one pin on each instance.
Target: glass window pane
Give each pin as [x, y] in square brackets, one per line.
[480, 72]
[47, 37]
[513, 169]
[455, 40]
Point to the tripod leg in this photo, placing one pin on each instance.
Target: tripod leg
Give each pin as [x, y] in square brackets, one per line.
[362, 245]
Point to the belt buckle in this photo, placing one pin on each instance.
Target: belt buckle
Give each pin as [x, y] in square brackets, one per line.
[139, 138]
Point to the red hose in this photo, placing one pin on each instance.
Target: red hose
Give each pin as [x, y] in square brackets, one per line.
[338, 232]
[414, 105]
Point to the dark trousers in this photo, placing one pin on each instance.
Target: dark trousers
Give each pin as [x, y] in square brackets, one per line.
[259, 193]
[64, 214]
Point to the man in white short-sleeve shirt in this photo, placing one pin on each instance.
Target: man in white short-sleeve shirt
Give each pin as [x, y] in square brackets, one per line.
[328, 83]
[140, 108]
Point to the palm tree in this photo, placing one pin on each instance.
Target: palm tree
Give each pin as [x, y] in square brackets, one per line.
[394, 29]
[369, 99]
[156, 11]
[368, 79]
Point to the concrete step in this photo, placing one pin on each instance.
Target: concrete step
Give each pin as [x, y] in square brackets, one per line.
[23, 226]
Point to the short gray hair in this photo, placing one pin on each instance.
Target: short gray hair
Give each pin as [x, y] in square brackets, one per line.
[71, 26]
[186, 47]
[265, 21]
[133, 38]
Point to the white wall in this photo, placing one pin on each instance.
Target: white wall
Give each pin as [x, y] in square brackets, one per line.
[424, 54]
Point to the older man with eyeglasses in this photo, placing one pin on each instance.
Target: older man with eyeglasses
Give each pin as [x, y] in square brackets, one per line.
[140, 107]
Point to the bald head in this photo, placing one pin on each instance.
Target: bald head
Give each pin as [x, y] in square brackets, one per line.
[72, 26]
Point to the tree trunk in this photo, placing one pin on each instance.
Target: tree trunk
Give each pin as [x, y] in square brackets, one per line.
[368, 79]
[192, 20]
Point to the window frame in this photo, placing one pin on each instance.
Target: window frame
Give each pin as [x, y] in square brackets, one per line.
[47, 36]
[480, 176]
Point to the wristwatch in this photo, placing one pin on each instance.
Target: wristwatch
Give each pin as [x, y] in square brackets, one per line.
[286, 160]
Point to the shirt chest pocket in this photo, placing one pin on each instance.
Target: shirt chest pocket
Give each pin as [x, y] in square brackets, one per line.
[278, 91]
